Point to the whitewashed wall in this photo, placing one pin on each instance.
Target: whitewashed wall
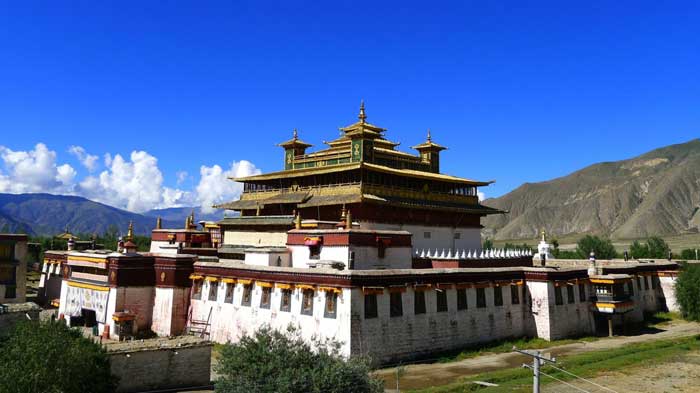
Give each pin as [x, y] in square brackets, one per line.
[387, 338]
[231, 321]
[440, 237]
[366, 258]
[255, 238]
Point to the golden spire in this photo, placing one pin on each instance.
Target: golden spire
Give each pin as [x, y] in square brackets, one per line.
[362, 115]
[159, 223]
[297, 221]
[192, 218]
[348, 219]
[296, 135]
[430, 139]
[130, 233]
[187, 222]
[343, 213]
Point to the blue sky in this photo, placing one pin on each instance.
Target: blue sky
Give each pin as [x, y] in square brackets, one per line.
[519, 91]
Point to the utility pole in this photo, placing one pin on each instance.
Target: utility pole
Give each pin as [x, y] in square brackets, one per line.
[537, 361]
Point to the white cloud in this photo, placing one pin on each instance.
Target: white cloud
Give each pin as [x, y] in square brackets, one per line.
[89, 161]
[35, 171]
[481, 195]
[181, 176]
[133, 183]
[215, 187]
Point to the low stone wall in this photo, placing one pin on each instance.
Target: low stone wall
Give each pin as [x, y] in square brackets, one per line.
[184, 362]
[584, 263]
[10, 314]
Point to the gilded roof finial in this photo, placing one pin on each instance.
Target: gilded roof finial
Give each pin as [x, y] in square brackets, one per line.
[343, 213]
[430, 139]
[130, 233]
[362, 115]
[296, 135]
[159, 223]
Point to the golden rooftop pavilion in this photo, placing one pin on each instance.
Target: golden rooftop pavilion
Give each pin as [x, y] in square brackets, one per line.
[381, 187]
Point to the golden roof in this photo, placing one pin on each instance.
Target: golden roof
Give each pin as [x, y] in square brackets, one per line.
[360, 165]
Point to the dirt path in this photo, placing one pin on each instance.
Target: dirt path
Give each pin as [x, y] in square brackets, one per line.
[419, 376]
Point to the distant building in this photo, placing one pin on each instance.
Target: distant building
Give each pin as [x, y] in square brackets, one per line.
[13, 268]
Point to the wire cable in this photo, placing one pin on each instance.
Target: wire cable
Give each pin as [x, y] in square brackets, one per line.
[584, 379]
[565, 383]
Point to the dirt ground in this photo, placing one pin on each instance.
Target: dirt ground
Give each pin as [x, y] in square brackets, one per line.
[682, 375]
[419, 376]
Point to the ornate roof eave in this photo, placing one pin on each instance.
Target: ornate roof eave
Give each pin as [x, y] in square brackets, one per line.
[358, 165]
[294, 143]
[429, 145]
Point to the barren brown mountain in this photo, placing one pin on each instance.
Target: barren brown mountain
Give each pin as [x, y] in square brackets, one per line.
[657, 193]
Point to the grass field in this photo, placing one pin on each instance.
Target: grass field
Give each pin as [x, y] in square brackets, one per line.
[586, 365]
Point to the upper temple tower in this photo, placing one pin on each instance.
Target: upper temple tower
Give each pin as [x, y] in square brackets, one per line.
[363, 171]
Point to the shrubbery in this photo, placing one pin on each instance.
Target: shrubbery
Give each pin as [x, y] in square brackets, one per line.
[282, 362]
[654, 247]
[603, 248]
[688, 291]
[38, 357]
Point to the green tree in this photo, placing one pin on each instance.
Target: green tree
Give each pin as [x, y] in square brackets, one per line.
[639, 250]
[658, 248]
[271, 361]
[38, 357]
[488, 244]
[603, 248]
[653, 247]
[689, 254]
[687, 291]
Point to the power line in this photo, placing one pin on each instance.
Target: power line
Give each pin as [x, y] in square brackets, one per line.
[564, 382]
[583, 379]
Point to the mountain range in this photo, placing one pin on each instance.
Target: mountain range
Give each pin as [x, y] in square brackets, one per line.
[657, 193]
[47, 215]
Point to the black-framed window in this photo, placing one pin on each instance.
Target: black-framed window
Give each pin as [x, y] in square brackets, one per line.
[480, 298]
[196, 289]
[630, 286]
[266, 297]
[213, 290]
[247, 294]
[514, 294]
[10, 291]
[441, 300]
[646, 283]
[286, 300]
[426, 235]
[582, 292]
[639, 284]
[331, 308]
[315, 252]
[654, 282]
[497, 296]
[307, 302]
[461, 299]
[395, 304]
[570, 294]
[229, 293]
[371, 306]
[419, 302]
[558, 298]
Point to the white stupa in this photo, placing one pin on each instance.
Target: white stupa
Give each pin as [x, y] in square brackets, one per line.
[543, 249]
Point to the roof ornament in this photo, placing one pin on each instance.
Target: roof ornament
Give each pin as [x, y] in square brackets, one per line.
[295, 134]
[430, 139]
[130, 233]
[362, 116]
[159, 223]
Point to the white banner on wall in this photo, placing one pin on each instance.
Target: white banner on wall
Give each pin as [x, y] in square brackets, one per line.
[90, 299]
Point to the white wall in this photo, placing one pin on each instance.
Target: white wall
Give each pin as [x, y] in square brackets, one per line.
[366, 258]
[440, 237]
[266, 258]
[231, 321]
[255, 238]
[387, 338]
